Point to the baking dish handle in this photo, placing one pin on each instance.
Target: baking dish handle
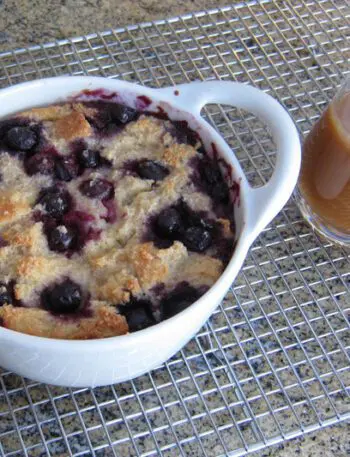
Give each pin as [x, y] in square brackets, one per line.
[266, 201]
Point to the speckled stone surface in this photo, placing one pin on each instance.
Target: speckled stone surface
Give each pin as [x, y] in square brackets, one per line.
[185, 401]
[28, 22]
[330, 442]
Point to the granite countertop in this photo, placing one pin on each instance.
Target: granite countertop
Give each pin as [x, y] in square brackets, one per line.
[23, 23]
[26, 22]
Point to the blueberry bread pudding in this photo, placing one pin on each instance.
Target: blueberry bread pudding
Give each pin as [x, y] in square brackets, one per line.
[111, 220]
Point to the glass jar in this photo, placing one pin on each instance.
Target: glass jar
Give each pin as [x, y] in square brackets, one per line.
[323, 192]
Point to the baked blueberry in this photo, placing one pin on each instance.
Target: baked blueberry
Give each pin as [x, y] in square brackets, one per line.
[183, 133]
[220, 193]
[193, 218]
[6, 297]
[62, 298]
[149, 169]
[97, 188]
[40, 163]
[214, 182]
[56, 202]
[89, 158]
[66, 168]
[138, 314]
[178, 299]
[122, 114]
[21, 138]
[211, 173]
[196, 239]
[3, 242]
[62, 238]
[168, 223]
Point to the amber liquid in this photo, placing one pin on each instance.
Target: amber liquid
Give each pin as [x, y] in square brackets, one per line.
[325, 172]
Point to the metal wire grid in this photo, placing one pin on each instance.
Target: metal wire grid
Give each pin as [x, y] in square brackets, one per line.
[272, 363]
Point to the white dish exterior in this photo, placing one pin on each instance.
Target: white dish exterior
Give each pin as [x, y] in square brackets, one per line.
[117, 359]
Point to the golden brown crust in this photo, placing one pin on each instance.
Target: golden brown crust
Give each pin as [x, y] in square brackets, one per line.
[54, 112]
[27, 235]
[72, 126]
[148, 265]
[152, 265]
[105, 322]
[12, 207]
[48, 113]
[178, 154]
[199, 270]
[117, 287]
[147, 134]
[114, 278]
[226, 227]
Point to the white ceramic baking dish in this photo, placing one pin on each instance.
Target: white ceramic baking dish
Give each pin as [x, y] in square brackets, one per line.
[116, 359]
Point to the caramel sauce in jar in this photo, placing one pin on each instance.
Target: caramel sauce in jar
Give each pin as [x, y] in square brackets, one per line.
[324, 181]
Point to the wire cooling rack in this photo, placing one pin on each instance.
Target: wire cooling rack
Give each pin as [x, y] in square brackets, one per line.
[272, 362]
